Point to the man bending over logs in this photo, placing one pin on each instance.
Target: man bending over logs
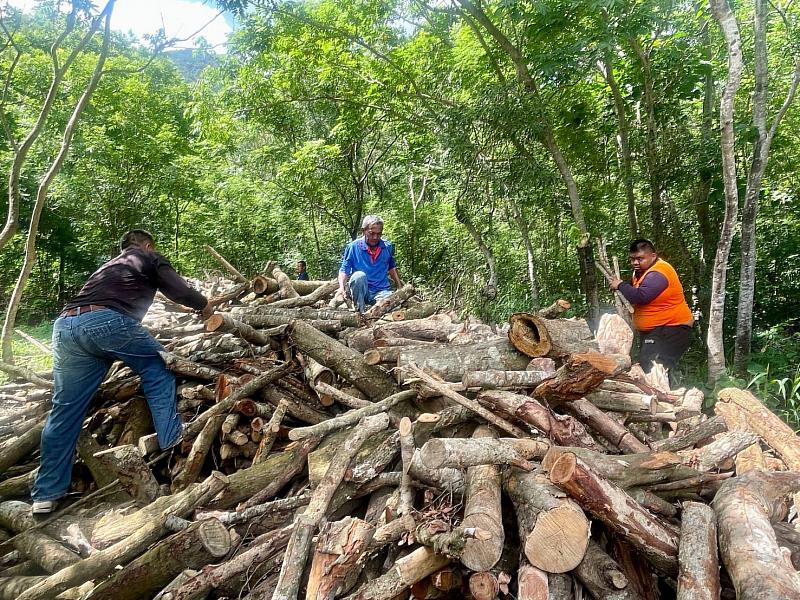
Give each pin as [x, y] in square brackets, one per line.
[98, 326]
[660, 311]
[367, 265]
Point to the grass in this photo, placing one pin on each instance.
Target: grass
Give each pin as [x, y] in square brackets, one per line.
[28, 354]
[782, 394]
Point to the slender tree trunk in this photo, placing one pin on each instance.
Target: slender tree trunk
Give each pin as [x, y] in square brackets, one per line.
[519, 218]
[758, 165]
[12, 220]
[44, 185]
[716, 345]
[624, 145]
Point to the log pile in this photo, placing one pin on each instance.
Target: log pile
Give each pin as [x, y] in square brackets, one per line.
[402, 453]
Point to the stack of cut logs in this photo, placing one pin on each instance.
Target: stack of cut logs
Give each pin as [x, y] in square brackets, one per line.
[401, 453]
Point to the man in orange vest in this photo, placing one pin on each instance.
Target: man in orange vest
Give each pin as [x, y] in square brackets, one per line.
[661, 313]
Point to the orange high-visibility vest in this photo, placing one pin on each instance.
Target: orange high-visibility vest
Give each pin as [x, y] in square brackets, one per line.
[668, 308]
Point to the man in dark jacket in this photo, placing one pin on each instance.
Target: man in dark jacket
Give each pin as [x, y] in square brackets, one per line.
[100, 325]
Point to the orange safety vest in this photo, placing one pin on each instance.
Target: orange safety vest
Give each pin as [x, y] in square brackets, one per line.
[668, 308]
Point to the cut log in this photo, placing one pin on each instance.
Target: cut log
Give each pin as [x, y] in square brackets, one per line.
[555, 310]
[328, 288]
[333, 568]
[351, 417]
[14, 450]
[535, 336]
[271, 317]
[482, 510]
[197, 455]
[267, 285]
[306, 524]
[493, 380]
[201, 543]
[620, 512]
[484, 586]
[187, 368]
[270, 433]
[103, 562]
[623, 402]
[749, 549]
[602, 576]
[224, 323]
[420, 310]
[698, 563]
[406, 571]
[437, 328]
[580, 375]
[619, 435]
[553, 529]
[317, 374]
[344, 361]
[134, 475]
[562, 429]
[342, 396]
[724, 448]
[387, 305]
[532, 583]
[451, 363]
[472, 405]
[461, 453]
[694, 436]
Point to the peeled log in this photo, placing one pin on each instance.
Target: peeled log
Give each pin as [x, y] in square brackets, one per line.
[342, 360]
[621, 513]
[744, 506]
[534, 336]
[461, 453]
[451, 363]
[614, 335]
[698, 563]
[482, 510]
[201, 543]
[553, 529]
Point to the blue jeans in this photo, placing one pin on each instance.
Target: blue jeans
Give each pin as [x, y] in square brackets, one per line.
[84, 347]
[359, 290]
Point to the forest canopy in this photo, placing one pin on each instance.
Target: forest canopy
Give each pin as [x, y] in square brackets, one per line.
[494, 138]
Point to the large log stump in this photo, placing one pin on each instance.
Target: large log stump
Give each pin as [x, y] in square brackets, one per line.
[698, 563]
[744, 507]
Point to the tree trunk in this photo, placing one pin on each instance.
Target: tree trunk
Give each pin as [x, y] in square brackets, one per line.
[610, 504]
[482, 510]
[721, 11]
[553, 530]
[344, 361]
[533, 278]
[602, 576]
[581, 373]
[562, 429]
[451, 363]
[536, 336]
[201, 543]
[698, 563]
[460, 453]
[744, 507]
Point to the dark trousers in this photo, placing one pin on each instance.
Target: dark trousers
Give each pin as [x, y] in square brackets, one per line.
[665, 345]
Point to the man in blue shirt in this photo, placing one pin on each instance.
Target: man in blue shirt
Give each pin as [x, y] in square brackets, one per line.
[302, 274]
[367, 265]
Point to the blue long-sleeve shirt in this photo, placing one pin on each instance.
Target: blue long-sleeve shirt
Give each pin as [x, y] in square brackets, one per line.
[651, 286]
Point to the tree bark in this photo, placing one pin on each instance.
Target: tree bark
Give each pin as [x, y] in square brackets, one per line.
[334, 566]
[482, 510]
[451, 363]
[698, 563]
[461, 453]
[581, 374]
[344, 361]
[201, 543]
[562, 429]
[536, 336]
[553, 530]
[620, 512]
[406, 572]
[721, 11]
[744, 507]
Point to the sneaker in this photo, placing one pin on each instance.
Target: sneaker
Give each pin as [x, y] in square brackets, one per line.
[43, 507]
